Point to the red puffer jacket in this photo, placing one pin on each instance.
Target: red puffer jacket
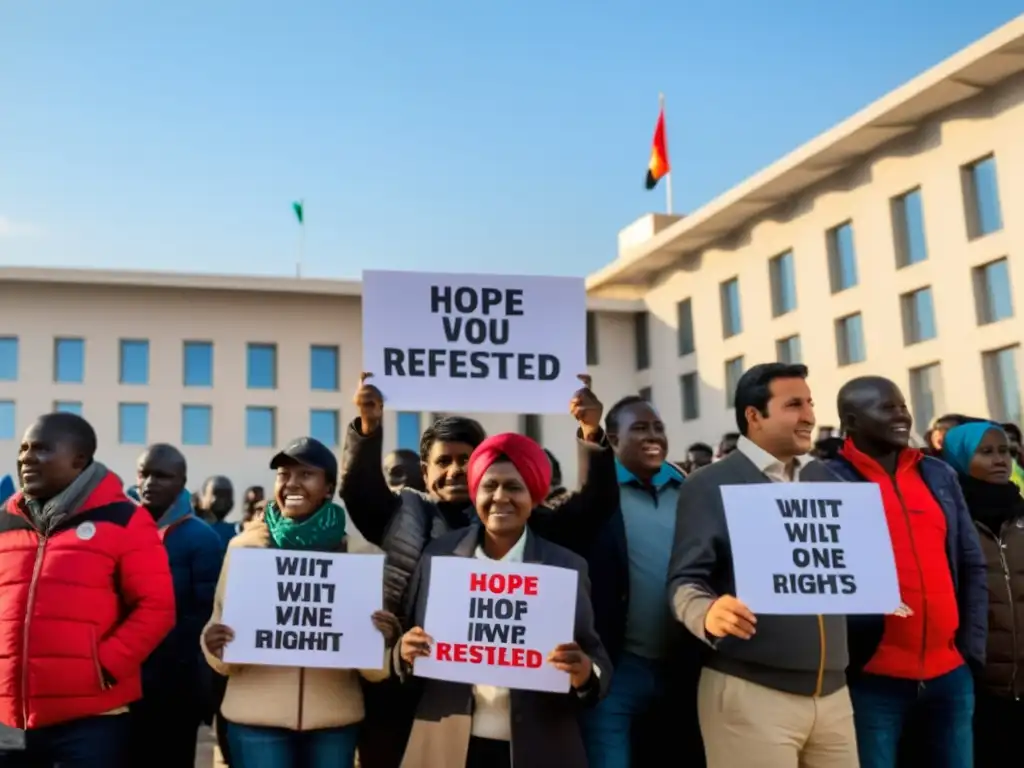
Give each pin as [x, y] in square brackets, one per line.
[95, 596]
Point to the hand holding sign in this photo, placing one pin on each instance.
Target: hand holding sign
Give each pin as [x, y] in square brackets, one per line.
[415, 644]
[570, 658]
[370, 403]
[586, 408]
[727, 616]
[216, 637]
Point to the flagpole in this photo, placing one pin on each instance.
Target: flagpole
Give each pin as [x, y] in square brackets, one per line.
[668, 176]
[302, 239]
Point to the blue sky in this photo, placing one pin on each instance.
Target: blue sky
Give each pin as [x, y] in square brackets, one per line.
[450, 135]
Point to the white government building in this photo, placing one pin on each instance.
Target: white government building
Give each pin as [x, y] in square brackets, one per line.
[891, 244]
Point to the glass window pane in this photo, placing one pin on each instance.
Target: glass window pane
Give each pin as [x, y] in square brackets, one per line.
[926, 395]
[409, 430]
[842, 258]
[259, 427]
[995, 299]
[788, 350]
[8, 358]
[69, 361]
[688, 391]
[196, 424]
[733, 372]
[323, 425]
[782, 276]
[262, 366]
[7, 425]
[732, 319]
[132, 423]
[68, 406]
[908, 228]
[850, 340]
[641, 340]
[984, 214]
[684, 327]
[1002, 383]
[592, 353]
[198, 363]
[134, 361]
[323, 368]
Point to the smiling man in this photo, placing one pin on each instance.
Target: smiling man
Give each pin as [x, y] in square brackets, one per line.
[176, 681]
[913, 666]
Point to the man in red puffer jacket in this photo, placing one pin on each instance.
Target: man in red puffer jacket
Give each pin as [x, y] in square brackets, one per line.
[85, 596]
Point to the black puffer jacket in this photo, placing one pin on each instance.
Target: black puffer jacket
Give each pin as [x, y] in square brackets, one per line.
[402, 524]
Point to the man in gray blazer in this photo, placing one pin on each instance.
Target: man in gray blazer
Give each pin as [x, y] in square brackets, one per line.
[773, 691]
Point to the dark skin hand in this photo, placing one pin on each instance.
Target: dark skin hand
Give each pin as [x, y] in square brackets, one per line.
[570, 658]
[369, 401]
[587, 409]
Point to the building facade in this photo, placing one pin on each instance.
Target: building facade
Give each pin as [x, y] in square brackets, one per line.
[892, 245]
[227, 368]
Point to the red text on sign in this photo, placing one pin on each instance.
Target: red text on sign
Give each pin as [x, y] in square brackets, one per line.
[502, 584]
[492, 656]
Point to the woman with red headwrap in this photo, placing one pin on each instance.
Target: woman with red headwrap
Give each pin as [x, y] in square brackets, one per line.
[471, 726]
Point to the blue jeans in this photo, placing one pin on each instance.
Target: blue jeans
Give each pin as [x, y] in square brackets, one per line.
[91, 742]
[944, 705]
[637, 685]
[258, 747]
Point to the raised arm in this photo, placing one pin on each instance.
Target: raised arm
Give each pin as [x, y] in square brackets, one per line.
[368, 500]
[574, 519]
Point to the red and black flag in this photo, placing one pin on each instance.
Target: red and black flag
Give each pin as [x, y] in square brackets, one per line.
[658, 165]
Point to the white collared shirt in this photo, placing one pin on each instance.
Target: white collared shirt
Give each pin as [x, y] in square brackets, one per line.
[770, 466]
[492, 706]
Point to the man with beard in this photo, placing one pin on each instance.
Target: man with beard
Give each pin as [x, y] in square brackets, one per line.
[176, 681]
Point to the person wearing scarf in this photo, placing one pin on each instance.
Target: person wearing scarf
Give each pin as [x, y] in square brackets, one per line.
[288, 717]
[980, 453]
[471, 726]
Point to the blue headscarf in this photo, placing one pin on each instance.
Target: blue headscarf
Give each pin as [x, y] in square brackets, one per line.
[960, 443]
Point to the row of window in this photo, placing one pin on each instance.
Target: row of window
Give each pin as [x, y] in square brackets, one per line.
[197, 363]
[999, 367]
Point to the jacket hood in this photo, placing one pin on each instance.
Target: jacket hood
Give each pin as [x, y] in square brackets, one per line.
[7, 488]
[180, 509]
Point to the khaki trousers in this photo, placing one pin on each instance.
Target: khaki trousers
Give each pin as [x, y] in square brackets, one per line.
[747, 725]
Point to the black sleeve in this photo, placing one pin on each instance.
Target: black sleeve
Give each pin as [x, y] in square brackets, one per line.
[369, 502]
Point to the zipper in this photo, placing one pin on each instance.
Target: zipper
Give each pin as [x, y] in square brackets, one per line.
[1013, 609]
[920, 572]
[821, 662]
[30, 603]
[96, 658]
[302, 693]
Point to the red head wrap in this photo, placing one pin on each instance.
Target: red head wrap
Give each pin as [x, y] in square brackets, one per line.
[527, 457]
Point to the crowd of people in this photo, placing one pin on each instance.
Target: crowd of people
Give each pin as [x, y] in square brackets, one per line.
[111, 597]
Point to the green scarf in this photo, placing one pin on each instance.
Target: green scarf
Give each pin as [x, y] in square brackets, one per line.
[322, 531]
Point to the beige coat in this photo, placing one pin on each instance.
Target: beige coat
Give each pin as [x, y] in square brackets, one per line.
[298, 699]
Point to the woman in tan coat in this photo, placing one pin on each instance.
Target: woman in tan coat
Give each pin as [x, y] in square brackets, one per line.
[289, 717]
[481, 726]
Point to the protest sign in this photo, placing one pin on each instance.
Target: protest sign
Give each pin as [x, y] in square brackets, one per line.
[474, 343]
[494, 623]
[303, 609]
[811, 548]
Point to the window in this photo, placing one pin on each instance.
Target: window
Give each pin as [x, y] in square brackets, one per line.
[323, 425]
[198, 363]
[69, 361]
[684, 327]
[409, 430]
[788, 350]
[8, 358]
[918, 311]
[262, 365]
[782, 276]
[131, 423]
[646, 394]
[691, 398]
[850, 339]
[992, 292]
[641, 340]
[7, 426]
[67, 406]
[732, 320]
[908, 228]
[733, 371]
[134, 361]
[1002, 384]
[842, 258]
[196, 425]
[981, 197]
[592, 356]
[323, 368]
[926, 396]
[530, 424]
[260, 427]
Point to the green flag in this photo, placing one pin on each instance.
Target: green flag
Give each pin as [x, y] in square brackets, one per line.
[297, 207]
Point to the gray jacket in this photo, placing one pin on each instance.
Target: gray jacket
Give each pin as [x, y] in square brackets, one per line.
[797, 654]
